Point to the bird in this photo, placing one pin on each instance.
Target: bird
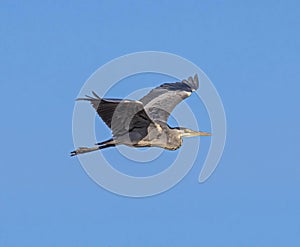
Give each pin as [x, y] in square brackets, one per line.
[143, 122]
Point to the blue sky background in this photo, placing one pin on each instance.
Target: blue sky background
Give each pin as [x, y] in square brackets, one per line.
[249, 49]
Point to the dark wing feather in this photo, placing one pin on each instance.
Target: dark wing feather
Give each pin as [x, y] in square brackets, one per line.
[160, 101]
[121, 116]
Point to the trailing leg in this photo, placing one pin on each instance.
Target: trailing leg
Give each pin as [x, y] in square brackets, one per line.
[101, 145]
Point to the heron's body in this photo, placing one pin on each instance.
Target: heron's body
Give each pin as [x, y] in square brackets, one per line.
[158, 135]
[143, 123]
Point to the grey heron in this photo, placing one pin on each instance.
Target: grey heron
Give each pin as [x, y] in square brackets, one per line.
[143, 123]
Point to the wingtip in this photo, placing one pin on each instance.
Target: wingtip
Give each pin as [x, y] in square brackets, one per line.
[196, 80]
[96, 95]
[192, 82]
[88, 97]
[78, 99]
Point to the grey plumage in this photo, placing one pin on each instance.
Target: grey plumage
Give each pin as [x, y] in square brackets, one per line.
[143, 123]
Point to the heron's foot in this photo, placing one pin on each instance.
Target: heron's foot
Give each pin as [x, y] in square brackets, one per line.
[80, 150]
[83, 150]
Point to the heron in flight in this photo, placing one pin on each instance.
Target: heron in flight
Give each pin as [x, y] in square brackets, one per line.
[143, 123]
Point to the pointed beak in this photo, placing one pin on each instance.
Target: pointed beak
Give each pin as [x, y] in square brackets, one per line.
[200, 133]
[190, 133]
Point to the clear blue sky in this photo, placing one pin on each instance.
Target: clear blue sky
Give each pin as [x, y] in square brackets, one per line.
[249, 49]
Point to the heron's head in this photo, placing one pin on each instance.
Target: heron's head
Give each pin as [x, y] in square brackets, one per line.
[189, 133]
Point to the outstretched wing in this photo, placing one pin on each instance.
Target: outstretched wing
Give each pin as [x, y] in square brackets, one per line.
[160, 101]
[121, 116]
